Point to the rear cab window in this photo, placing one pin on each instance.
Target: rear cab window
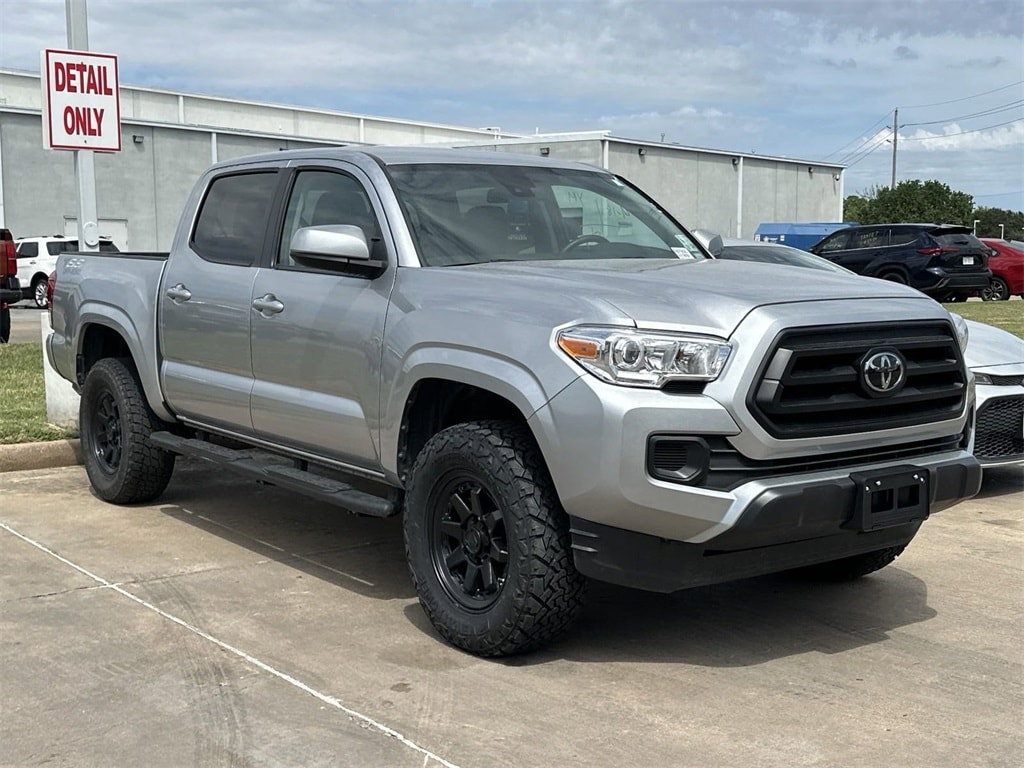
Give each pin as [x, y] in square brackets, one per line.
[233, 218]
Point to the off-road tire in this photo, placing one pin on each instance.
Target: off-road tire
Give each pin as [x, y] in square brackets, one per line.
[477, 490]
[850, 568]
[115, 424]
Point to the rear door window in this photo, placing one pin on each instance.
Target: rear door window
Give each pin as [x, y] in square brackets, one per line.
[872, 237]
[28, 250]
[232, 221]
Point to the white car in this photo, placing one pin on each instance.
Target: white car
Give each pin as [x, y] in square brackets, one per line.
[37, 258]
[996, 358]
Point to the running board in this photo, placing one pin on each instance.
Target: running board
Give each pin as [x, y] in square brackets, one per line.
[319, 487]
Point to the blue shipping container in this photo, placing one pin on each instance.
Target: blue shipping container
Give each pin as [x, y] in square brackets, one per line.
[801, 236]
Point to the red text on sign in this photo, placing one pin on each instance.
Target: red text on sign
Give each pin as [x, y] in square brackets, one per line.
[83, 121]
[81, 78]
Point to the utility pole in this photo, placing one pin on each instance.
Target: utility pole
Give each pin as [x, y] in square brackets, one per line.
[895, 136]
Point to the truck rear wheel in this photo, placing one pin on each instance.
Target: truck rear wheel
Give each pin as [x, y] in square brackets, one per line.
[488, 541]
[850, 568]
[115, 423]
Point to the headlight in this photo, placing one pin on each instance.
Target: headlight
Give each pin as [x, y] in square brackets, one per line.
[643, 359]
[961, 330]
[982, 378]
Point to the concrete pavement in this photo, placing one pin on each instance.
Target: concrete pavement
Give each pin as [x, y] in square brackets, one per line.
[234, 624]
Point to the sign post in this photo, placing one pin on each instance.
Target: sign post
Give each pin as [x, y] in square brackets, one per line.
[81, 112]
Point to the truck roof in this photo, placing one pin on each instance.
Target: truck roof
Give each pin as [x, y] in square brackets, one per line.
[411, 155]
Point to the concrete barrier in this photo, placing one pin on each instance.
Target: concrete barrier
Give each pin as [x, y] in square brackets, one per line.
[61, 398]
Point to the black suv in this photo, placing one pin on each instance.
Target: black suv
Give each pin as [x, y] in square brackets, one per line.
[945, 261]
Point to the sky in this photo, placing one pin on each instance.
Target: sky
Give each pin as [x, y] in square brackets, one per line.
[816, 81]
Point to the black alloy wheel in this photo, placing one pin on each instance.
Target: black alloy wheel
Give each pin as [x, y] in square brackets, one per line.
[470, 551]
[106, 434]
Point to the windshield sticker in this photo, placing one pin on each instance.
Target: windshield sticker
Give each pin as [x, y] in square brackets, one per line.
[682, 253]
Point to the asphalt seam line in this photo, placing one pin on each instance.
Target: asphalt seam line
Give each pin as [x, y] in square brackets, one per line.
[329, 700]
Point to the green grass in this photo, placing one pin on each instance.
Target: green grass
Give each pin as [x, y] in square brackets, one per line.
[23, 396]
[1008, 315]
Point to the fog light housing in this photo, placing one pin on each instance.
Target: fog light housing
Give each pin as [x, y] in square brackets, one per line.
[678, 459]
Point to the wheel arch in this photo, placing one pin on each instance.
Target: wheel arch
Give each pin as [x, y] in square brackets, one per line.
[888, 268]
[435, 403]
[108, 332]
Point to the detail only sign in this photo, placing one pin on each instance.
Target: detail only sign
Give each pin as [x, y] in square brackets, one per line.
[81, 101]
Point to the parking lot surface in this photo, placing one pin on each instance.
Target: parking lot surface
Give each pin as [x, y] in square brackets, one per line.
[232, 624]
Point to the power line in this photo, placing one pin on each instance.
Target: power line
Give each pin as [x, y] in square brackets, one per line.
[993, 111]
[965, 98]
[882, 119]
[852, 162]
[868, 145]
[961, 133]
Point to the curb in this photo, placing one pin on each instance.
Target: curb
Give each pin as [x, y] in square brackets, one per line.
[45, 455]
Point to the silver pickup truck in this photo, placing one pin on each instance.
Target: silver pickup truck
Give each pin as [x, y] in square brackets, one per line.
[530, 361]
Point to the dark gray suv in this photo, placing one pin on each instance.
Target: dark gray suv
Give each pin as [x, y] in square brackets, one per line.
[945, 261]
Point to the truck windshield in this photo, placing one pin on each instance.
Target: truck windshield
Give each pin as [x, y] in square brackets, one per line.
[471, 214]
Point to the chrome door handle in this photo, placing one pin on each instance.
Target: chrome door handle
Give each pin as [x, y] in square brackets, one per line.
[268, 305]
[178, 293]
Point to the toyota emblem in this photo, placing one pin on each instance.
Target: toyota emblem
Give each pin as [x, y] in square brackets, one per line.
[883, 372]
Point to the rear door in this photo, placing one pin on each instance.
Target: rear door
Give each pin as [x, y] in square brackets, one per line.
[866, 244]
[205, 299]
[316, 333]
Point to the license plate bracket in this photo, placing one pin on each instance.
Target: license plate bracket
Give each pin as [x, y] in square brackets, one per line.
[890, 497]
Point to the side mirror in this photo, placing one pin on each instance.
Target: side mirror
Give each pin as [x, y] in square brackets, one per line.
[332, 243]
[711, 241]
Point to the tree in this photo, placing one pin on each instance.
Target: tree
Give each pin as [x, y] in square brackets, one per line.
[911, 201]
[989, 220]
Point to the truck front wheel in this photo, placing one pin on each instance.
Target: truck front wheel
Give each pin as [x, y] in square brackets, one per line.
[488, 541]
[115, 423]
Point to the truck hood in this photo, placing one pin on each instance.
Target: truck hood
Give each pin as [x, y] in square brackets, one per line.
[711, 296]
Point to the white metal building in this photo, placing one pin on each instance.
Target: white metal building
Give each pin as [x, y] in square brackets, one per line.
[169, 138]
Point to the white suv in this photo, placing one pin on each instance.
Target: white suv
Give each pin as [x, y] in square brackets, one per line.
[37, 258]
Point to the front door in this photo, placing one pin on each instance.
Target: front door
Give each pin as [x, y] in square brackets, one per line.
[316, 334]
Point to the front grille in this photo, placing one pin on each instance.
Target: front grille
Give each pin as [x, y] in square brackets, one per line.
[999, 433]
[811, 384]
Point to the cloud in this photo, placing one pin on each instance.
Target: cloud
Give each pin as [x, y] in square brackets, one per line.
[954, 138]
[789, 77]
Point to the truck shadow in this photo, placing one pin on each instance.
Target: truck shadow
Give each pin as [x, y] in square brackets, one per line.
[728, 625]
[360, 554]
[746, 622]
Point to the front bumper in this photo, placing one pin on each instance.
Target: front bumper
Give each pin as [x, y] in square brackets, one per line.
[786, 525]
[595, 439]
